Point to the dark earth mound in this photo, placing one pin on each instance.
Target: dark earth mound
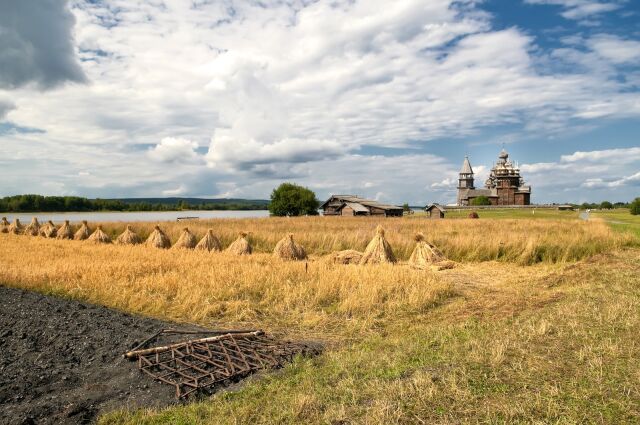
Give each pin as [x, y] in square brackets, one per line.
[61, 360]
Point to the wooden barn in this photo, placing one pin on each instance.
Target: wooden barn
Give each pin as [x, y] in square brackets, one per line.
[350, 205]
[435, 211]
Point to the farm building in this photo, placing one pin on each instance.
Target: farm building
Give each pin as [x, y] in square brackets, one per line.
[435, 211]
[504, 186]
[350, 205]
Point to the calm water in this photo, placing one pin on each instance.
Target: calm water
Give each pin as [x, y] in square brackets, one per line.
[132, 216]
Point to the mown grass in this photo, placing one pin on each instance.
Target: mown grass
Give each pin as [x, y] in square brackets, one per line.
[515, 213]
[540, 328]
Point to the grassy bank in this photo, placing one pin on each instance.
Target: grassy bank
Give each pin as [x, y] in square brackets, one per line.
[537, 323]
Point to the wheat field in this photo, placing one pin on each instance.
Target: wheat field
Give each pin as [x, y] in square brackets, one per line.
[536, 319]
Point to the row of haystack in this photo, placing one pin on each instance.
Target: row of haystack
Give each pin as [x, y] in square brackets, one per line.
[286, 248]
[379, 251]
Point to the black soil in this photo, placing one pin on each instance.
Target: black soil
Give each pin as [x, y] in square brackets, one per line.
[61, 360]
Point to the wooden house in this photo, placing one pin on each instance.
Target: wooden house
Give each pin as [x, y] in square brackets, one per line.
[350, 205]
[435, 211]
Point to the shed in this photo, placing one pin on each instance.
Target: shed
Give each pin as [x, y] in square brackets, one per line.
[435, 211]
[349, 205]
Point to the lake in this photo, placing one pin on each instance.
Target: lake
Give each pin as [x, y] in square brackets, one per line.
[132, 216]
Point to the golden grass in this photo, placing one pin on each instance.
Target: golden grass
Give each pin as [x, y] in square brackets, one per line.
[211, 288]
[522, 241]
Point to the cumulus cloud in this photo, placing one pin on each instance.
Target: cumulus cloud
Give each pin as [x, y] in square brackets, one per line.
[5, 107]
[229, 152]
[615, 156]
[615, 49]
[580, 9]
[601, 183]
[36, 44]
[171, 149]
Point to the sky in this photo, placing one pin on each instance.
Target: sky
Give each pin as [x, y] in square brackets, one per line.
[225, 98]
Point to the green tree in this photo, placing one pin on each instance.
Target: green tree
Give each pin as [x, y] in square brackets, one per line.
[405, 207]
[606, 205]
[480, 200]
[290, 199]
[634, 207]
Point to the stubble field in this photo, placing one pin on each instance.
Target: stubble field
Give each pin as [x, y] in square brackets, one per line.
[535, 323]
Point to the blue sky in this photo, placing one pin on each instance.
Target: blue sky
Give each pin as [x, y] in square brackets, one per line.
[227, 98]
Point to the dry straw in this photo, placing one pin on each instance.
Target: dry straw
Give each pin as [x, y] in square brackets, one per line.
[4, 225]
[158, 239]
[288, 249]
[209, 243]
[348, 256]
[83, 232]
[424, 254]
[65, 232]
[49, 230]
[128, 237]
[16, 228]
[378, 250]
[98, 236]
[33, 229]
[240, 246]
[187, 240]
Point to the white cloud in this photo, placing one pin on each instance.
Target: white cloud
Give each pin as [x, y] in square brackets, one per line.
[172, 149]
[615, 49]
[599, 183]
[180, 190]
[580, 9]
[614, 156]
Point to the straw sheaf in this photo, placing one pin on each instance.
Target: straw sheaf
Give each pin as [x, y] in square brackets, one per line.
[16, 228]
[209, 243]
[83, 232]
[49, 230]
[378, 250]
[240, 246]
[347, 256]
[288, 249]
[65, 232]
[187, 240]
[424, 254]
[33, 229]
[158, 239]
[98, 236]
[4, 225]
[128, 237]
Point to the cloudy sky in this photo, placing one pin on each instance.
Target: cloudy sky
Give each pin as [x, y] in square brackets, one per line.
[225, 98]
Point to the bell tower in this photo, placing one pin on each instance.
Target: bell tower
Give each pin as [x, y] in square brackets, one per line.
[465, 180]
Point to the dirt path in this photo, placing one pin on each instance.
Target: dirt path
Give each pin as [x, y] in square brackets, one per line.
[60, 360]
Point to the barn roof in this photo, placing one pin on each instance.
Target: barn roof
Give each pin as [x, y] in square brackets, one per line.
[335, 199]
[435, 206]
[355, 206]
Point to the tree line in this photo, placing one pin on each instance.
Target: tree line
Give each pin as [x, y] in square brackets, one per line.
[39, 203]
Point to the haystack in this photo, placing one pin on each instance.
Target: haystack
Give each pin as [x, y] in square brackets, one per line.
[16, 228]
[240, 246]
[64, 231]
[33, 229]
[4, 225]
[187, 240]
[49, 230]
[83, 232]
[348, 256]
[98, 236]
[473, 214]
[378, 250]
[209, 243]
[287, 249]
[128, 237]
[424, 254]
[158, 239]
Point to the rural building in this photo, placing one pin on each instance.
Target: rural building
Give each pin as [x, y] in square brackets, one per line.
[504, 186]
[435, 211]
[350, 205]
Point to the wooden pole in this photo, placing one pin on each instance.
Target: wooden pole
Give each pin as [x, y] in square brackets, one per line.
[132, 355]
